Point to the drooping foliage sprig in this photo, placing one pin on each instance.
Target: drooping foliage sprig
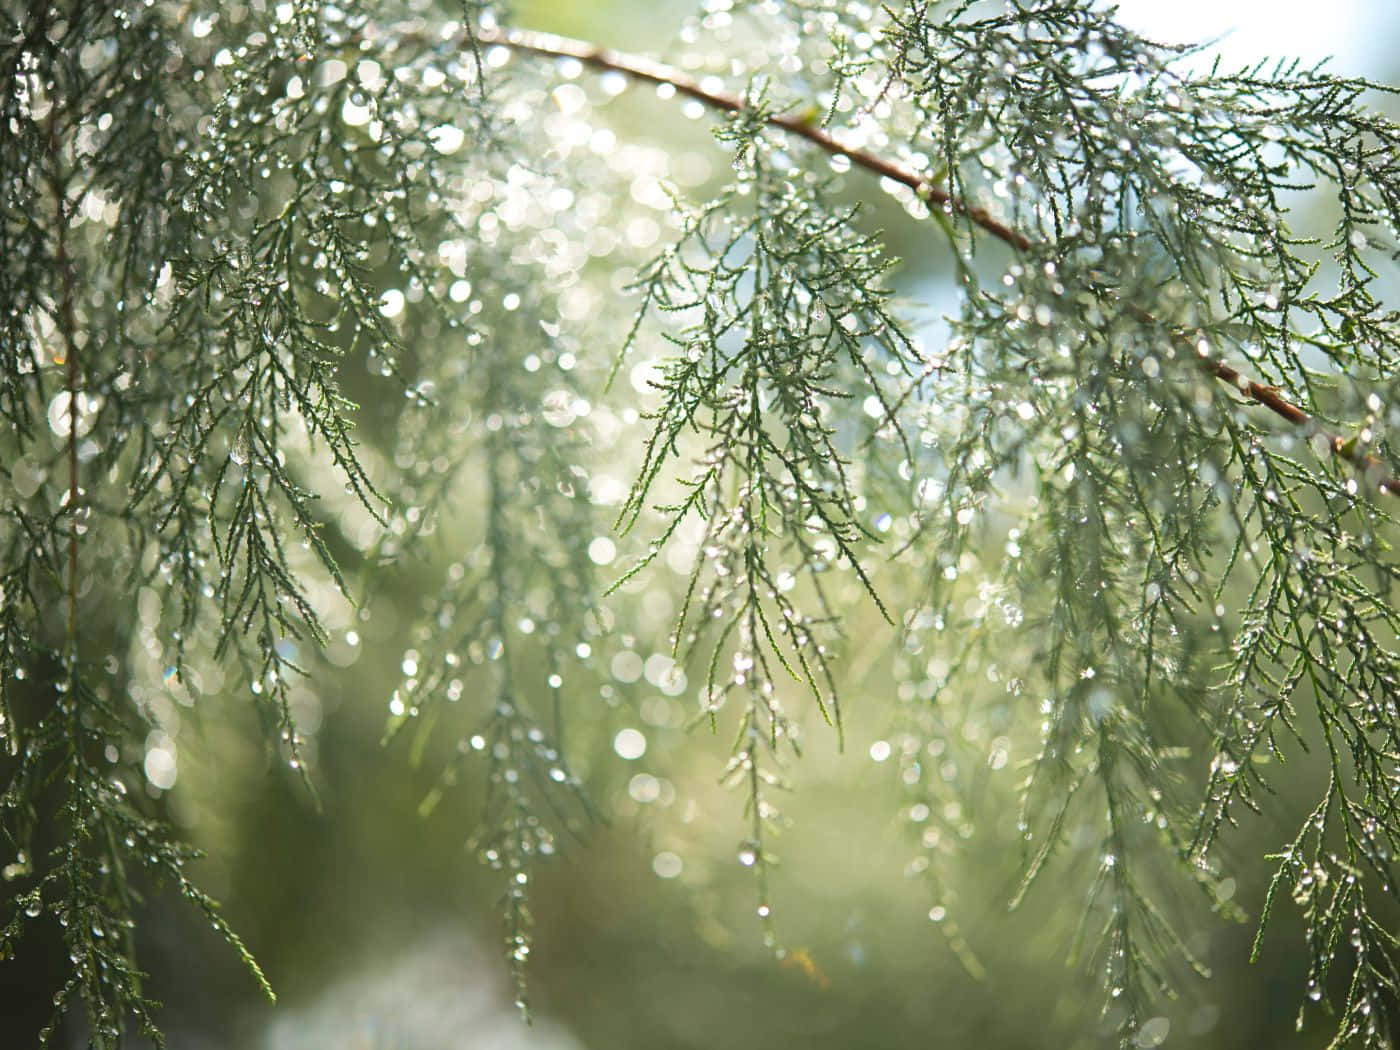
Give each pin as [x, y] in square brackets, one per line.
[782, 314]
[1150, 440]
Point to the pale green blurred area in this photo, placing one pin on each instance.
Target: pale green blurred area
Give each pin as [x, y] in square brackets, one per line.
[381, 932]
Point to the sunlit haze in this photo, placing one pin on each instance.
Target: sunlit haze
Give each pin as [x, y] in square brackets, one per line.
[1247, 30]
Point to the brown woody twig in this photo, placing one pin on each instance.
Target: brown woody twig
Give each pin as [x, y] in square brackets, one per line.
[643, 69]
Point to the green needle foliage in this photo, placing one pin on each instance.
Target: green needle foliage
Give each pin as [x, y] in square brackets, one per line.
[1127, 507]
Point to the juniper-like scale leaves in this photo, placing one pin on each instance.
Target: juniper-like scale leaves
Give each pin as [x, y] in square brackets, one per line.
[1154, 446]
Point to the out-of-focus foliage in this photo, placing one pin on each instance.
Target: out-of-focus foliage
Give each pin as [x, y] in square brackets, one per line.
[364, 357]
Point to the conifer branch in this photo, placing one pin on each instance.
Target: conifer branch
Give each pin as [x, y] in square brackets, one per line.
[213, 226]
[636, 67]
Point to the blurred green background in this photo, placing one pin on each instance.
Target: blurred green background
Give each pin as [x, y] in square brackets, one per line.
[381, 932]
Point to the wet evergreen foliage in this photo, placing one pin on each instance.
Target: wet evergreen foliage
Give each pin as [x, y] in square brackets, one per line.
[1137, 484]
